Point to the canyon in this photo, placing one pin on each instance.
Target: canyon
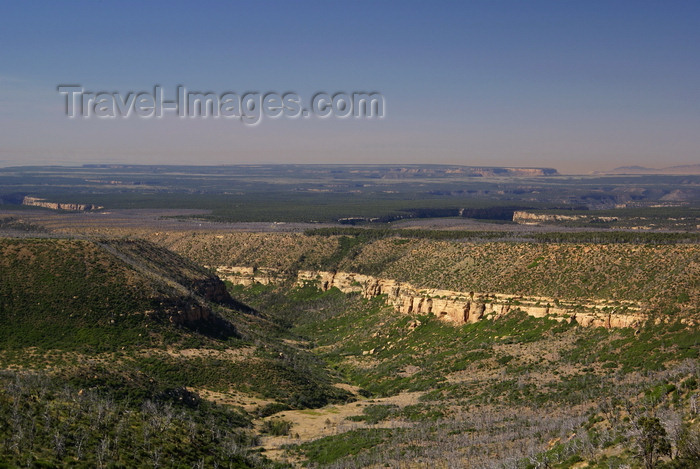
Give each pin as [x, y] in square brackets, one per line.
[451, 306]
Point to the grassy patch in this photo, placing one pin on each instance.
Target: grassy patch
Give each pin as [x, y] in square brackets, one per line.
[333, 448]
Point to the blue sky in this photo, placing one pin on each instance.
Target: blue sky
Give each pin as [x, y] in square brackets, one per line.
[578, 86]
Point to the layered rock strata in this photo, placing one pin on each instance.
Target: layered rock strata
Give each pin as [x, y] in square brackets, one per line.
[37, 202]
[451, 306]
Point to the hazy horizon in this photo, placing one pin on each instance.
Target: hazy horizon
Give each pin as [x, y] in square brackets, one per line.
[591, 172]
[579, 87]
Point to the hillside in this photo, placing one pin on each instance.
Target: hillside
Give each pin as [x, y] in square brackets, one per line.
[92, 294]
[135, 355]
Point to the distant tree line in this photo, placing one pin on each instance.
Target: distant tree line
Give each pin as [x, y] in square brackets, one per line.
[594, 237]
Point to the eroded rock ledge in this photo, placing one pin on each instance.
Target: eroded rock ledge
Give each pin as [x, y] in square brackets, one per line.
[38, 202]
[452, 306]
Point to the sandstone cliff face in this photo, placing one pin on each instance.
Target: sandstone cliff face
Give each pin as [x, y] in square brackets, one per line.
[469, 307]
[249, 275]
[528, 218]
[453, 306]
[37, 202]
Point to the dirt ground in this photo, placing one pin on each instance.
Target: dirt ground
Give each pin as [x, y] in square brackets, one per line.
[311, 424]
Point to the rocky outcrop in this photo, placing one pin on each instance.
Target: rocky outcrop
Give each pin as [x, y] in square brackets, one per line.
[193, 314]
[182, 312]
[212, 289]
[529, 218]
[452, 306]
[37, 202]
[249, 275]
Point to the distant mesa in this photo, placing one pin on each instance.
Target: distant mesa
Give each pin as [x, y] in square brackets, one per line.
[447, 171]
[683, 170]
[375, 171]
